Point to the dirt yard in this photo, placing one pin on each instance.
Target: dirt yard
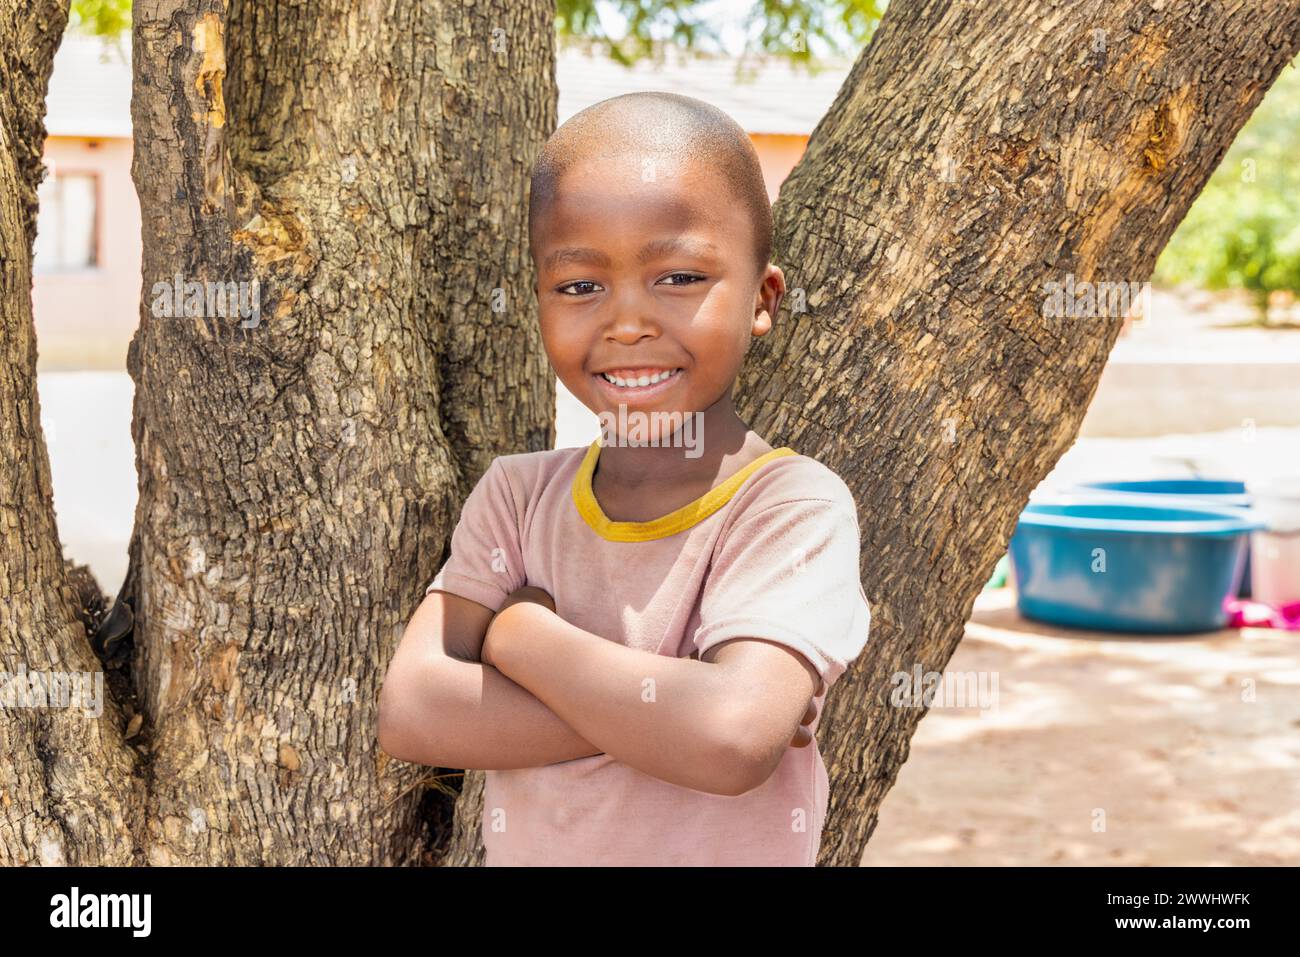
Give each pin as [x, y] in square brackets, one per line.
[1105, 750]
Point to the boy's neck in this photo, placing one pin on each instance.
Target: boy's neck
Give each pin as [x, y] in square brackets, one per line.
[720, 434]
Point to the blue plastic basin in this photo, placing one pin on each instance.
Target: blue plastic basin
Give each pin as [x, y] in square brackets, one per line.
[1220, 492]
[1214, 492]
[1116, 566]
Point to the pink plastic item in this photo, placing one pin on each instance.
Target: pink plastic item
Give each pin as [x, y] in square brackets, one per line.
[1245, 613]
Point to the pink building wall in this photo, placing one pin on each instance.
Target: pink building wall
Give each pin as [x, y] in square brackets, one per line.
[777, 154]
[85, 318]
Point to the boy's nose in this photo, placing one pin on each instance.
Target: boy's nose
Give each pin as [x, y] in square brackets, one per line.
[632, 312]
[629, 335]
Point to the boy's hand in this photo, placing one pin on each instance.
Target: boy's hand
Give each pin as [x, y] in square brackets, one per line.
[529, 593]
[803, 734]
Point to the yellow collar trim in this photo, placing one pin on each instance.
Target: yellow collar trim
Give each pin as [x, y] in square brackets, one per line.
[672, 523]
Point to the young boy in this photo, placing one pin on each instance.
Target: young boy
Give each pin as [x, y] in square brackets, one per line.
[635, 638]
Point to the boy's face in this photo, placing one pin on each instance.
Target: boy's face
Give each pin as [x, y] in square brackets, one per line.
[636, 278]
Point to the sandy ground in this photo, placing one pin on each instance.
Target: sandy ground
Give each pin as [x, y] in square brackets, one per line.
[1194, 325]
[1113, 749]
[1105, 750]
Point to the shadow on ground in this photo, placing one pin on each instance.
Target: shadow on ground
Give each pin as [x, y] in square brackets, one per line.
[1104, 749]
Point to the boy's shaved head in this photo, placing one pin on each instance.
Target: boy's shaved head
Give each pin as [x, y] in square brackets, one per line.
[658, 124]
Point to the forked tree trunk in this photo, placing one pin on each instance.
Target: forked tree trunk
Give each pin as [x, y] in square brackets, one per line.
[66, 783]
[977, 153]
[301, 468]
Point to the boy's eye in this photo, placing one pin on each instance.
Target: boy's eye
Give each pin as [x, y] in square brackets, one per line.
[579, 282]
[690, 277]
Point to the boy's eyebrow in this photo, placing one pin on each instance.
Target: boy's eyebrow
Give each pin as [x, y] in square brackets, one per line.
[574, 254]
[656, 247]
[675, 244]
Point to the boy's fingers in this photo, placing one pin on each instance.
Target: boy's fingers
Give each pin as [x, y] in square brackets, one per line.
[803, 734]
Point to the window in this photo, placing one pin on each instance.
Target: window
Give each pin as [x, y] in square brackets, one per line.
[65, 224]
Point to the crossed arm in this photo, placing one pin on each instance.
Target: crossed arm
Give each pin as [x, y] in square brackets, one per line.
[525, 688]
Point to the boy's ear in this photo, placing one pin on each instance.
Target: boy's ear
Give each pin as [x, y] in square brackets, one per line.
[770, 293]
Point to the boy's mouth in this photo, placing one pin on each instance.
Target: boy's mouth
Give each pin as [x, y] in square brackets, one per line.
[636, 383]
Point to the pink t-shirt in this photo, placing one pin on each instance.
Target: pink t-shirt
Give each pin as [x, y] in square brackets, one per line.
[770, 553]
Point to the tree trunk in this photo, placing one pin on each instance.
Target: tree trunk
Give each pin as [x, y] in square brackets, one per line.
[977, 153]
[301, 470]
[66, 781]
[302, 463]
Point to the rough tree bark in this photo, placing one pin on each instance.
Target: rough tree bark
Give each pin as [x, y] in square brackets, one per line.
[67, 787]
[977, 152]
[299, 477]
[299, 473]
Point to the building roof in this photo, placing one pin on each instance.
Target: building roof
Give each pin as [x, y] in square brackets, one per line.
[776, 97]
[90, 89]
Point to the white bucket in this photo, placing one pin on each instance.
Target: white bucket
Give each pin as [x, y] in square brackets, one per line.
[1275, 550]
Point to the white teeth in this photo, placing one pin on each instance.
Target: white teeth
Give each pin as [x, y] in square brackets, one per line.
[640, 380]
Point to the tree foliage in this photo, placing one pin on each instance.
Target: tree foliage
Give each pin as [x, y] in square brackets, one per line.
[107, 18]
[791, 28]
[798, 30]
[1243, 232]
